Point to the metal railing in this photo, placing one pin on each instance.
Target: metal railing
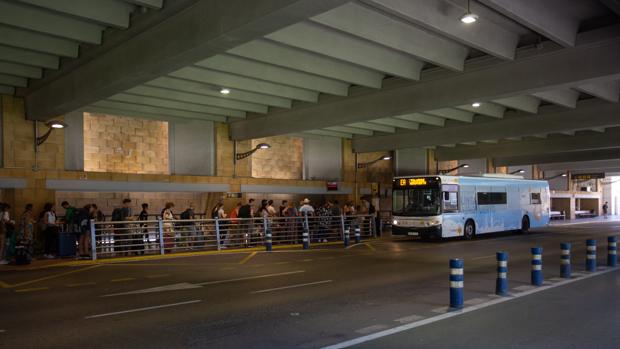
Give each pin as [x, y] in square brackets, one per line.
[116, 239]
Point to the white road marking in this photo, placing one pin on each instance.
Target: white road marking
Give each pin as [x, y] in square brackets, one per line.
[173, 287]
[440, 310]
[187, 285]
[406, 327]
[292, 286]
[371, 329]
[408, 319]
[143, 309]
[483, 257]
[524, 287]
[249, 278]
[475, 301]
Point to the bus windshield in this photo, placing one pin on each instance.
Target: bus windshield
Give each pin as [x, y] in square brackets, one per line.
[416, 202]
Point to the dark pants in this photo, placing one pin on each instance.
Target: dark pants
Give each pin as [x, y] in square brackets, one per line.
[51, 239]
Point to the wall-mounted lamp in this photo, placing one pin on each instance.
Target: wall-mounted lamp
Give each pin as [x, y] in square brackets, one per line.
[53, 125]
[453, 169]
[517, 171]
[239, 156]
[556, 176]
[468, 17]
[366, 164]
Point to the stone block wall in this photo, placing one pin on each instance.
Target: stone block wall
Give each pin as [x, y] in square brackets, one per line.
[284, 160]
[18, 137]
[125, 145]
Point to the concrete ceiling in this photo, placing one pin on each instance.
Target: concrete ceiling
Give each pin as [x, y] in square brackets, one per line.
[388, 74]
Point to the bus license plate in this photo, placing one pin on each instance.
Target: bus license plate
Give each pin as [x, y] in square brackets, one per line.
[412, 233]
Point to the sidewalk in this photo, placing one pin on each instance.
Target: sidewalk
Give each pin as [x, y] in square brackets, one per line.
[599, 219]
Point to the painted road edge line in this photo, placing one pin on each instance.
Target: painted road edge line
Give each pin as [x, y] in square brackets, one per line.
[292, 286]
[402, 328]
[143, 309]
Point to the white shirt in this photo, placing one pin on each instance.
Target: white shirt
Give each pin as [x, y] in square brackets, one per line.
[306, 209]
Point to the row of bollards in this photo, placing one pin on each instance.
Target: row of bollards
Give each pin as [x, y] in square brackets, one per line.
[501, 285]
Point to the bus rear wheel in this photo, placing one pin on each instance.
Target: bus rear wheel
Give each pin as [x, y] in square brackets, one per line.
[525, 224]
[470, 230]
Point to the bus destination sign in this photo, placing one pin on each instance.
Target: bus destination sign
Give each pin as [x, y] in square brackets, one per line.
[414, 182]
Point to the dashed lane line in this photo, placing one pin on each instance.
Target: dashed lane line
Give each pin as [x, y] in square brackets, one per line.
[447, 315]
[143, 309]
[292, 286]
[32, 289]
[122, 279]
[410, 318]
[248, 257]
[157, 276]
[280, 263]
[216, 282]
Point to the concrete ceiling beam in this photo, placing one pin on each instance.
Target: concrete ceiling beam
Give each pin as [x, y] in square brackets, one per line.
[37, 42]
[364, 22]
[571, 156]
[170, 104]
[108, 13]
[523, 103]
[564, 97]
[199, 30]
[605, 90]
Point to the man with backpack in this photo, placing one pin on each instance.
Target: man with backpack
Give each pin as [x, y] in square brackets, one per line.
[123, 238]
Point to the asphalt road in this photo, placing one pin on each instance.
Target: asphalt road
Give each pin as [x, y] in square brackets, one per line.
[286, 299]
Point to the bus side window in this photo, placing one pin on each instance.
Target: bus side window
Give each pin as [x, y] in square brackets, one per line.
[535, 199]
[450, 201]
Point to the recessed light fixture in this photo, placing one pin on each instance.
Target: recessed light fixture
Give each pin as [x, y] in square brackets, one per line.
[476, 104]
[224, 91]
[468, 17]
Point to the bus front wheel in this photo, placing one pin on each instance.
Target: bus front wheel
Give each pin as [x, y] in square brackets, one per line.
[470, 230]
[525, 224]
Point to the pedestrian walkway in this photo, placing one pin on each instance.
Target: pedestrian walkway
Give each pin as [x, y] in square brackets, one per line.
[598, 219]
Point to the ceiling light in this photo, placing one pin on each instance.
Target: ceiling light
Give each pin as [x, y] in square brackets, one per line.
[387, 157]
[465, 166]
[224, 91]
[263, 146]
[469, 18]
[564, 174]
[476, 104]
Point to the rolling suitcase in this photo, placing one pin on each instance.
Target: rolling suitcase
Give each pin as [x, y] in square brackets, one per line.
[66, 244]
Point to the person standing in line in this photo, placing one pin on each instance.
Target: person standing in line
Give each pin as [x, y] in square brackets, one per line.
[69, 217]
[83, 217]
[291, 225]
[189, 228]
[283, 206]
[234, 229]
[605, 209]
[5, 234]
[26, 225]
[168, 217]
[306, 208]
[50, 232]
[143, 217]
[224, 224]
[246, 213]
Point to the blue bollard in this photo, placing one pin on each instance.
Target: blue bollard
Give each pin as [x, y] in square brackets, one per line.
[590, 255]
[347, 234]
[358, 235]
[268, 241]
[537, 274]
[456, 283]
[565, 269]
[612, 257]
[305, 235]
[501, 285]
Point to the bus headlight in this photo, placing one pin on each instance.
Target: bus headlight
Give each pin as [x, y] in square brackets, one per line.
[395, 222]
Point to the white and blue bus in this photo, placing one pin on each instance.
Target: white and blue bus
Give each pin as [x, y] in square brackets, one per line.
[449, 206]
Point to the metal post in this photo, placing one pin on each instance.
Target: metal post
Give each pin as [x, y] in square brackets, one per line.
[612, 257]
[217, 233]
[537, 274]
[306, 233]
[347, 235]
[93, 240]
[565, 267]
[342, 226]
[358, 237]
[160, 227]
[456, 283]
[590, 255]
[501, 285]
[268, 240]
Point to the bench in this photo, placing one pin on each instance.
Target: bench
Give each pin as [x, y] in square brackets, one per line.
[557, 215]
[585, 214]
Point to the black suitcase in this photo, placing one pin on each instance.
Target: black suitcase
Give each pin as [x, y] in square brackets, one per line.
[66, 245]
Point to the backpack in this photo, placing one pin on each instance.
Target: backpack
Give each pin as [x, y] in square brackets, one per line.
[244, 212]
[186, 214]
[215, 213]
[117, 215]
[70, 215]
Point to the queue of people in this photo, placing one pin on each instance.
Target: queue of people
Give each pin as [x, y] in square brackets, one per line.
[238, 227]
